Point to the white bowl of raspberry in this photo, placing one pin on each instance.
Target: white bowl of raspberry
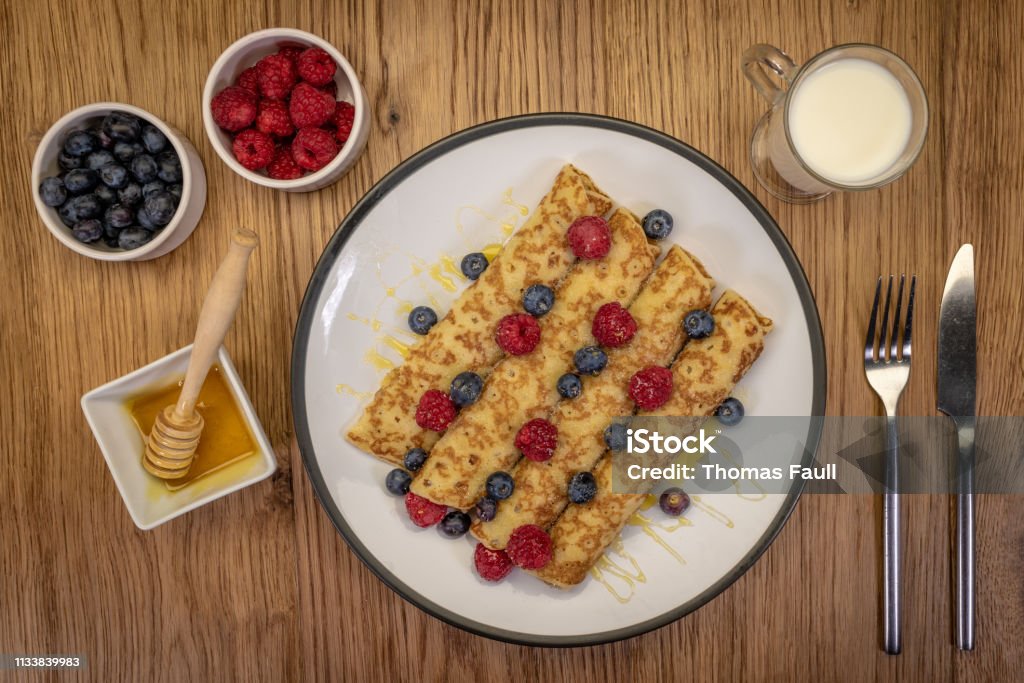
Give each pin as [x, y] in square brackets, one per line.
[137, 184]
[284, 109]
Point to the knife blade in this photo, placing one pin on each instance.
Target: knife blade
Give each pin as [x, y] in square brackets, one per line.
[957, 372]
[957, 383]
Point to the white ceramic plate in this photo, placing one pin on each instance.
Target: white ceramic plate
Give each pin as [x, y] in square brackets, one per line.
[399, 247]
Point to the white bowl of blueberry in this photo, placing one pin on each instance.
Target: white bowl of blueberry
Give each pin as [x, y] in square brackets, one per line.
[115, 183]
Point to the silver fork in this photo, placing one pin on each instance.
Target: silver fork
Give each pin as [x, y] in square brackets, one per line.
[887, 366]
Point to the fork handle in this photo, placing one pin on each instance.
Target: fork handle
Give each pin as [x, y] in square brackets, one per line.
[891, 602]
[965, 536]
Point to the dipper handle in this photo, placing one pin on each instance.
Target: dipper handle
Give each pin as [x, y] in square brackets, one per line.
[216, 316]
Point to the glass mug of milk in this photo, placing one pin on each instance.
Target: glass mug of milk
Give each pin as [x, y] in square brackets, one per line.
[854, 117]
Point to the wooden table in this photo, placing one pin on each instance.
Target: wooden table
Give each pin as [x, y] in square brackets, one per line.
[258, 586]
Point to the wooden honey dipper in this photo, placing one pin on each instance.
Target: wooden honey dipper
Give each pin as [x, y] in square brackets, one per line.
[172, 443]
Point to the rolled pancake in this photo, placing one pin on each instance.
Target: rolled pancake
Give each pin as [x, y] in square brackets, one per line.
[678, 285]
[704, 375]
[481, 439]
[464, 339]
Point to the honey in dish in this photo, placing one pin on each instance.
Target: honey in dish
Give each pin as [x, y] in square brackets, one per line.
[226, 437]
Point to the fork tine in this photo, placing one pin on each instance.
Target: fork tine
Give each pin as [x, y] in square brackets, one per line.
[910, 317]
[896, 321]
[882, 356]
[869, 345]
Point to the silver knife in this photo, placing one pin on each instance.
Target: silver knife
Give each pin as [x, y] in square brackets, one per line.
[957, 378]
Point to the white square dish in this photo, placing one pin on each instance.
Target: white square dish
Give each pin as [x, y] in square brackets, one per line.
[148, 501]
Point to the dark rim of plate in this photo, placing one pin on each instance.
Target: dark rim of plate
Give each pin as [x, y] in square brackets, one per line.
[352, 222]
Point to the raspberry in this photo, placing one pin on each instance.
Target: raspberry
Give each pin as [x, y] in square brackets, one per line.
[423, 512]
[435, 411]
[249, 79]
[276, 76]
[309, 107]
[344, 115]
[233, 108]
[517, 334]
[537, 440]
[292, 52]
[273, 119]
[491, 565]
[651, 387]
[529, 547]
[613, 325]
[313, 148]
[253, 149]
[283, 166]
[589, 237]
[315, 66]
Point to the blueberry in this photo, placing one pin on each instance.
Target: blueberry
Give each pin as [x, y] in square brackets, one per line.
[110, 233]
[569, 385]
[658, 224]
[414, 459]
[144, 220]
[81, 143]
[455, 524]
[397, 482]
[160, 207]
[153, 140]
[421, 319]
[153, 187]
[175, 190]
[111, 242]
[80, 180]
[730, 412]
[106, 142]
[114, 176]
[99, 159]
[121, 126]
[500, 485]
[52, 191]
[466, 388]
[144, 168]
[590, 360]
[82, 208]
[68, 213]
[698, 324]
[119, 216]
[674, 501]
[538, 299]
[105, 194]
[615, 436]
[88, 230]
[68, 162]
[582, 488]
[169, 167]
[133, 238]
[473, 265]
[126, 151]
[130, 194]
[486, 508]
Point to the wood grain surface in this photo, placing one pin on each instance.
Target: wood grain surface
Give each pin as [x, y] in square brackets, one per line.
[259, 586]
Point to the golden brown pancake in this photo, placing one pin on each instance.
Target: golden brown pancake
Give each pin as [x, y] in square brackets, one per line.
[704, 375]
[464, 339]
[481, 439]
[678, 285]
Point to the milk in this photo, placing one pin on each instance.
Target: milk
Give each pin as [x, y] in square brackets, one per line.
[849, 121]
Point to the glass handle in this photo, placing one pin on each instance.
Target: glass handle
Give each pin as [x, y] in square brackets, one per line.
[758, 59]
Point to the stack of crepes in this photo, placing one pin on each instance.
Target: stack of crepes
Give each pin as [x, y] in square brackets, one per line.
[480, 440]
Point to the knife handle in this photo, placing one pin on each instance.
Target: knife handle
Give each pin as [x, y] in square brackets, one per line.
[891, 602]
[965, 535]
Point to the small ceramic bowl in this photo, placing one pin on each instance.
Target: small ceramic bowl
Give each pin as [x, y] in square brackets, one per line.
[248, 50]
[193, 185]
[149, 502]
